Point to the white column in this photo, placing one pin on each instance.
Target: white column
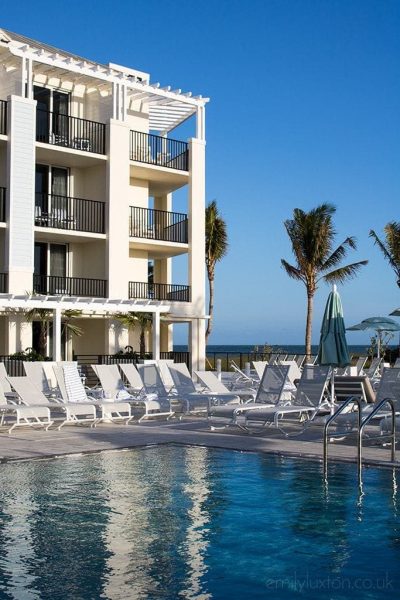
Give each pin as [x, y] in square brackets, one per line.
[57, 334]
[117, 337]
[18, 333]
[23, 76]
[20, 199]
[29, 80]
[197, 346]
[156, 336]
[118, 210]
[196, 257]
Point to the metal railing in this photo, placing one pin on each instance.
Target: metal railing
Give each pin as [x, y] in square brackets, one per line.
[85, 360]
[361, 424]
[160, 151]
[159, 291]
[74, 214]
[2, 204]
[69, 286]
[158, 225]
[3, 117]
[70, 132]
[3, 283]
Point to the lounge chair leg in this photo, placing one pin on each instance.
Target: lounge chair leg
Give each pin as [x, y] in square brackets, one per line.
[11, 428]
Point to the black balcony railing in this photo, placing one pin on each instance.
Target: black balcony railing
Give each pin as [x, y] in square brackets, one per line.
[159, 291]
[74, 214]
[160, 151]
[2, 204]
[3, 283]
[3, 117]
[158, 225]
[70, 132]
[69, 286]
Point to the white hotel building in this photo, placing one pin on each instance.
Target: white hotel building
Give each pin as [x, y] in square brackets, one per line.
[87, 175]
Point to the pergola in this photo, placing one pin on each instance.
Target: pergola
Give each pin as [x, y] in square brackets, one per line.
[167, 108]
[97, 306]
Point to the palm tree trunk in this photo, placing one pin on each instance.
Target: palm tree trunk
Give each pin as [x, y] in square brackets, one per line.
[210, 304]
[142, 343]
[310, 307]
[43, 338]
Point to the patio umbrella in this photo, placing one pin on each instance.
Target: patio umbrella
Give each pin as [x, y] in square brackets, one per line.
[378, 324]
[333, 349]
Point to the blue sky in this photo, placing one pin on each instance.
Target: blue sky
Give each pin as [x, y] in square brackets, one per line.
[304, 109]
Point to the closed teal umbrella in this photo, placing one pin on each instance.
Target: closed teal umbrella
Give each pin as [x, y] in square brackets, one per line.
[333, 349]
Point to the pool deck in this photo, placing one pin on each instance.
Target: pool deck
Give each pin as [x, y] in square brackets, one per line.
[28, 444]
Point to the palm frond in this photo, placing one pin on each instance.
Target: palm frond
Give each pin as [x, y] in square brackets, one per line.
[386, 251]
[216, 245]
[292, 271]
[343, 273]
[339, 254]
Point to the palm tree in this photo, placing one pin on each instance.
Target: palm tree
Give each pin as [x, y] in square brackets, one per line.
[216, 249]
[131, 320]
[391, 246]
[43, 316]
[312, 235]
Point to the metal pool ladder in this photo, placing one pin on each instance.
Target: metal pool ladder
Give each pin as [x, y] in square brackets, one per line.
[361, 424]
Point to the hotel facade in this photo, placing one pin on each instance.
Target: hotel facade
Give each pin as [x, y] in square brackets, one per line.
[88, 171]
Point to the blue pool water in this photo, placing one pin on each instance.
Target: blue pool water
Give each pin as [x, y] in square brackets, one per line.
[189, 522]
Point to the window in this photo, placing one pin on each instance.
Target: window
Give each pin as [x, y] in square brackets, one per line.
[52, 116]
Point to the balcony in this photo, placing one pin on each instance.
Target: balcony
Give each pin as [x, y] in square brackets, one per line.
[159, 291]
[72, 214]
[70, 132]
[3, 283]
[55, 285]
[159, 151]
[3, 117]
[159, 225]
[2, 205]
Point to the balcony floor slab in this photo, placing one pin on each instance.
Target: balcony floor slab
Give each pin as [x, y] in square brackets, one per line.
[68, 157]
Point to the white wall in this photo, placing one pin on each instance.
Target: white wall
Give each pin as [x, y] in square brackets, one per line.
[88, 259]
[21, 186]
[10, 83]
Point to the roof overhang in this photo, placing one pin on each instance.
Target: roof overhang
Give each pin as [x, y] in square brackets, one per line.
[100, 306]
[167, 108]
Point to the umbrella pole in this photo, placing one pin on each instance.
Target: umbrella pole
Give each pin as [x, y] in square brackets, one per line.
[333, 391]
[378, 345]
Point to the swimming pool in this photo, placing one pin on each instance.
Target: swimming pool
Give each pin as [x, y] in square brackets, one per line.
[190, 522]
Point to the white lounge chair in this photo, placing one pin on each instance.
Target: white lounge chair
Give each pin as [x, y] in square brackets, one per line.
[36, 373]
[300, 358]
[373, 370]
[31, 416]
[308, 401]
[162, 365]
[113, 387]
[259, 366]
[269, 393]
[186, 391]
[74, 413]
[242, 379]
[192, 400]
[218, 389]
[73, 391]
[5, 384]
[135, 383]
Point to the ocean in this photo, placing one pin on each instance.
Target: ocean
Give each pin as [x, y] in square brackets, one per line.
[288, 348]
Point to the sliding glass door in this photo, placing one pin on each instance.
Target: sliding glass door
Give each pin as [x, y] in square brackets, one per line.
[51, 116]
